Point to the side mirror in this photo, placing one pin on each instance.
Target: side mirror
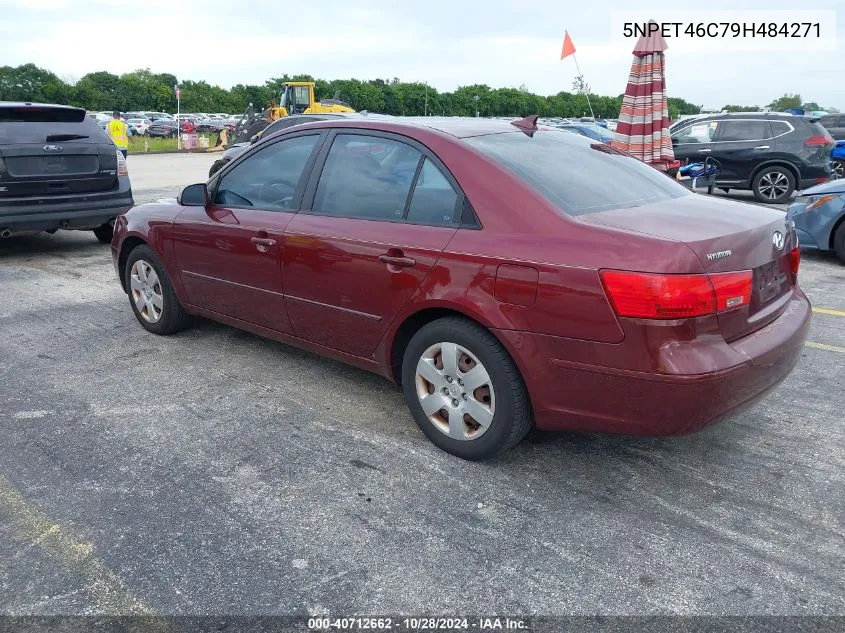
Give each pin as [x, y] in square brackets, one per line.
[193, 196]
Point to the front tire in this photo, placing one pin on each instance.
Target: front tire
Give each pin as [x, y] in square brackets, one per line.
[151, 293]
[464, 390]
[773, 185]
[839, 242]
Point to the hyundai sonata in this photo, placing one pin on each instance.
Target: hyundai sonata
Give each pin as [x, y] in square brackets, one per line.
[504, 275]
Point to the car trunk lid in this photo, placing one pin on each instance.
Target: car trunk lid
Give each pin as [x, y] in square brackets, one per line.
[726, 236]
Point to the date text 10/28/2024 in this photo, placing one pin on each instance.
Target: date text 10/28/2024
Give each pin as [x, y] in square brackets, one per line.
[417, 624]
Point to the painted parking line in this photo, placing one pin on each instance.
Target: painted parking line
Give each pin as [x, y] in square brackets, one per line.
[829, 348]
[33, 528]
[829, 311]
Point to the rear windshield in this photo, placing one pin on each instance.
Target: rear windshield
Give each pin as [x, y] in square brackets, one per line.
[577, 174]
[86, 130]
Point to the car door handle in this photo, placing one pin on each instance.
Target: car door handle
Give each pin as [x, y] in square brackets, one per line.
[762, 147]
[706, 150]
[393, 260]
[263, 241]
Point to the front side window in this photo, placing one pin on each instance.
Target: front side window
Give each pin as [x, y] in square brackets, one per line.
[701, 132]
[578, 175]
[301, 96]
[269, 178]
[366, 177]
[740, 130]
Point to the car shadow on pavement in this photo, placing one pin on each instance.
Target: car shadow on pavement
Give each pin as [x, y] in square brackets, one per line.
[61, 242]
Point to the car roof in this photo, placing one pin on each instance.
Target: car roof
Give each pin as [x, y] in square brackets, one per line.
[35, 104]
[458, 127]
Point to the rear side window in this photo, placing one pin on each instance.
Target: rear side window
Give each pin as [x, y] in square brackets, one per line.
[578, 175]
[779, 128]
[739, 130]
[366, 177]
[434, 199]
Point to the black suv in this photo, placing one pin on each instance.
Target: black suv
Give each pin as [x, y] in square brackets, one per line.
[770, 153]
[58, 170]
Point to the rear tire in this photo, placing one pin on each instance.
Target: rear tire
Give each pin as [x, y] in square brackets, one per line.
[839, 242]
[151, 293]
[494, 393]
[105, 232]
[773, 185]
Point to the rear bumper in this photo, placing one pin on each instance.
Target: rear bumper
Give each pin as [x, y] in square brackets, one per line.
[574, 396]
[80, 211]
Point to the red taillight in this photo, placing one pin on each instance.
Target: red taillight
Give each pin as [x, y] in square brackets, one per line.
[648, 296]
[732, 289]
[820, 139]
[794, 262]
[654, 296]
[122, 170]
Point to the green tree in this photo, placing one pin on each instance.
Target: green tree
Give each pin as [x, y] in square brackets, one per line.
[30, 83]
[739, 108]
[786, 102]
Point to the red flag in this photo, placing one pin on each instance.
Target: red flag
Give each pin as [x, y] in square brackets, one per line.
[568, 46]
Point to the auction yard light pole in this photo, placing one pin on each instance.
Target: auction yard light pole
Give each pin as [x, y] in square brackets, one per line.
[477, 99]
[178, 110]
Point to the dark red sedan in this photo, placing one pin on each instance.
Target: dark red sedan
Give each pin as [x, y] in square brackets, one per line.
[504, 276]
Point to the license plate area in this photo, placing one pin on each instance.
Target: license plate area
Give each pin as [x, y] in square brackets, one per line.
[769, 282]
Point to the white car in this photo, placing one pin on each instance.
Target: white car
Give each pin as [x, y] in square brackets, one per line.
[139, 126]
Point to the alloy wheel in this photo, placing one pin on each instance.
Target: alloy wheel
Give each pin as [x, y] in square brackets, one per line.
[774, 185]
[838, 169]
[146, 291]
[455, 391]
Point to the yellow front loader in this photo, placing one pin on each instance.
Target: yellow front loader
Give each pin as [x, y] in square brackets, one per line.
[297, 97]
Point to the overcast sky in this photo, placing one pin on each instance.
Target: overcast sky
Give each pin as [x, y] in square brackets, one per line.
[448, 43]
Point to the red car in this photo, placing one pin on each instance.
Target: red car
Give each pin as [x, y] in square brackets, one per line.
[504, 276]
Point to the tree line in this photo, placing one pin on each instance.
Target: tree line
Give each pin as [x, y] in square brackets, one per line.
[146, 90]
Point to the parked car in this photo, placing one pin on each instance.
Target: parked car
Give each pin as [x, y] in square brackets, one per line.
[277, 126]
[835, 125]
[590, 130]
[819, 216]
[58, 170]
[770, 154]
[155, 116]
[209, 126]
[162, 127]
[139, 126]
[503, 275]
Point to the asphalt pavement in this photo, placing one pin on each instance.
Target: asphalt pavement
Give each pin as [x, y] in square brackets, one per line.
[217, 472]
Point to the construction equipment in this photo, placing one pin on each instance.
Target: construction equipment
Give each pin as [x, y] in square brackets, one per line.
[297, 97]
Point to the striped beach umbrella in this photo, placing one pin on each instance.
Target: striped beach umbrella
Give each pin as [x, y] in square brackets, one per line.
[643, 128]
